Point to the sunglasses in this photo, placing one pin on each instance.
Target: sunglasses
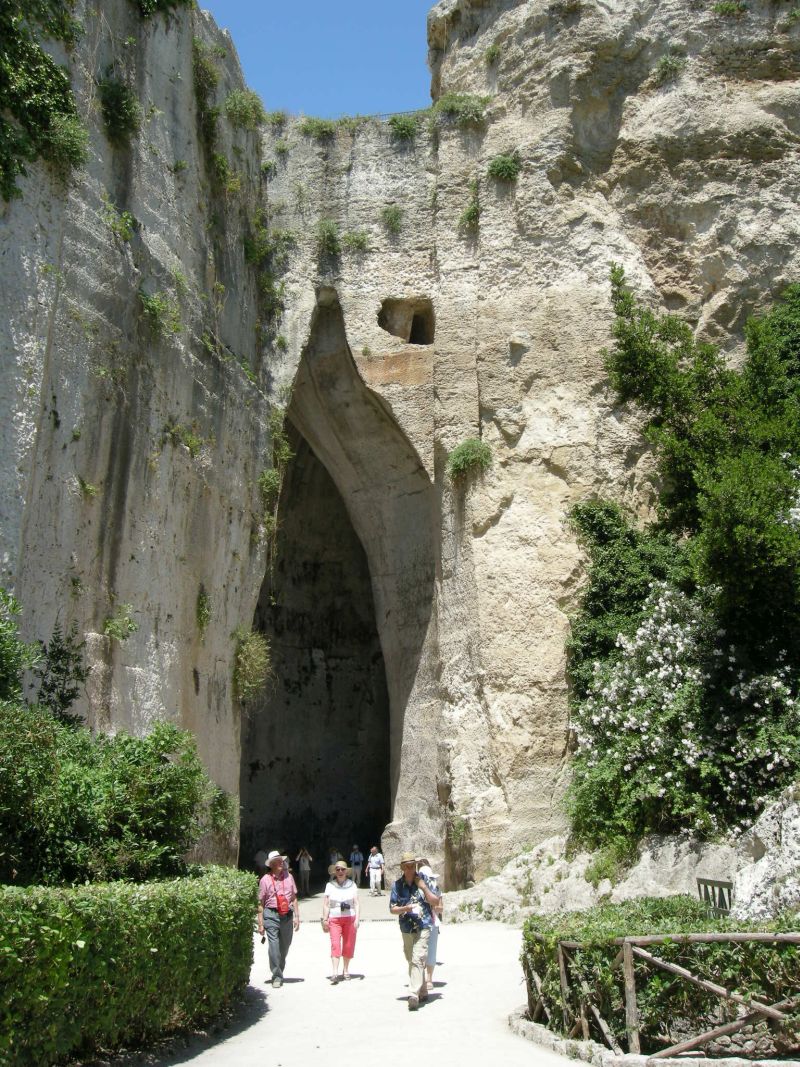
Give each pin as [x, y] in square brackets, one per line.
[339, 869]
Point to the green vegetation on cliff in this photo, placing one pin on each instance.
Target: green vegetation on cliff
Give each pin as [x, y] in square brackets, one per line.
[40, 120]
[683, 657]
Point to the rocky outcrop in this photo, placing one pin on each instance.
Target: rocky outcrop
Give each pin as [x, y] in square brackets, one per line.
[762, 864]
[660, 135]
[550, 878]
[768, 878]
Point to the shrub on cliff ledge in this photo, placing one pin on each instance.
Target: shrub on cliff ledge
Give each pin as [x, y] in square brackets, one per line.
[505, 168]
[122, 112]
[461, 108]
[245, 110]
[469, 459]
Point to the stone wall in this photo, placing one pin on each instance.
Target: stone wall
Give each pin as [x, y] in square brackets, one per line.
[690, 181]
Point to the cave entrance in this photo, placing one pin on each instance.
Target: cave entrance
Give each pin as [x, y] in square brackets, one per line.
[342, 747]
[316, 769]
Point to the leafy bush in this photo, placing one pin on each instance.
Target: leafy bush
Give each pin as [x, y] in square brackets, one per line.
[730, 8]
[251, 662]
[404, 127]
[244, 109]
[625, 562]
[318, 129]
[16, 656]
[461, 108]
[122, 112]
[355, 241]
[727, 444]
[470, 217]
[96, 967]
[205, 75]
[121, 223]
[754, 969]
[505, 168]
[686, 690]
[148, 8]
[470, 458]
[203, 611]
[40, 119]
[328, 243]
[120, 625]
[77, 807]
[492, 53]
[269, 485]
[392, 216]
[669, 68]
[276, 119]
[160, 312]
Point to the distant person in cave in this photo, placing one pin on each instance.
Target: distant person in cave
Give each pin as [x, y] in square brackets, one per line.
[333, 855]
[356, 863]
[375, 868]
[304, 859]
[413, 899]
[278, 913]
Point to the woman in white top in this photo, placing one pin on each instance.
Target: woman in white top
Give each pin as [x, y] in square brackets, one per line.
[340, 918]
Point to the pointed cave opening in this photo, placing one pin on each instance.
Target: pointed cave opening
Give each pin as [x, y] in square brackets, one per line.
[316, 744]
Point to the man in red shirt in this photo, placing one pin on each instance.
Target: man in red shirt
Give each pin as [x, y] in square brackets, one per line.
[278, 913]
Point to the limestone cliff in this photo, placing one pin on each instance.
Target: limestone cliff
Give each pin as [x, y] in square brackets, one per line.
[418, 627]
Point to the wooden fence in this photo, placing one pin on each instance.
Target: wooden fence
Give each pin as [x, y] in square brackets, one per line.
[579, 1001]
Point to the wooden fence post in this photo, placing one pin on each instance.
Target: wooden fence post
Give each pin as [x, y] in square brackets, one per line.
[562, 973]
[631, 1008]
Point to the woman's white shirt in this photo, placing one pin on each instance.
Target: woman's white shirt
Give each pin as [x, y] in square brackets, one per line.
[341, 898]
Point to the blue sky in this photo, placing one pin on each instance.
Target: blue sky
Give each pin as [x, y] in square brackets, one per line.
[329, 58]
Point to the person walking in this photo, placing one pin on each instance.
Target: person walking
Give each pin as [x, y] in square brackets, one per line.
[304, 859]
[356, 863]
[413, 900]
[433, 944]
[375, 868]
[278, 913]
[340, 914]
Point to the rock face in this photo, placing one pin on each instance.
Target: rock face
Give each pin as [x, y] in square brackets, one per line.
[660, 135]
[768, 879]
[546, 879]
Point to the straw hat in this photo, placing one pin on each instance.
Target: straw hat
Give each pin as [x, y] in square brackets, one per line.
[339, 863]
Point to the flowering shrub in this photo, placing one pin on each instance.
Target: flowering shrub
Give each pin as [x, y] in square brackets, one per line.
[674, 734]
[682, 658]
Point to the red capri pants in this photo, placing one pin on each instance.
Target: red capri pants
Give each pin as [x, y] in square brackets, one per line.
[343, 936]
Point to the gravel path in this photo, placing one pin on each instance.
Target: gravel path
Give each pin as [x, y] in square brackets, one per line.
[309, 1022]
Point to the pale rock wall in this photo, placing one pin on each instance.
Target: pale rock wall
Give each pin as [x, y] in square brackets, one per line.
[87, 392]
[692, 185]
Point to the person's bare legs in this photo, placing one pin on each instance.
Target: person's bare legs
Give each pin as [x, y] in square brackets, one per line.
[346, 968]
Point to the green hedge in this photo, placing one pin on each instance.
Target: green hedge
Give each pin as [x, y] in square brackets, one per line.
[759, 969]
[100, 966]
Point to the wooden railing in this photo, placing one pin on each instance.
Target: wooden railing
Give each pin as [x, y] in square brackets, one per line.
[579, 1001]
